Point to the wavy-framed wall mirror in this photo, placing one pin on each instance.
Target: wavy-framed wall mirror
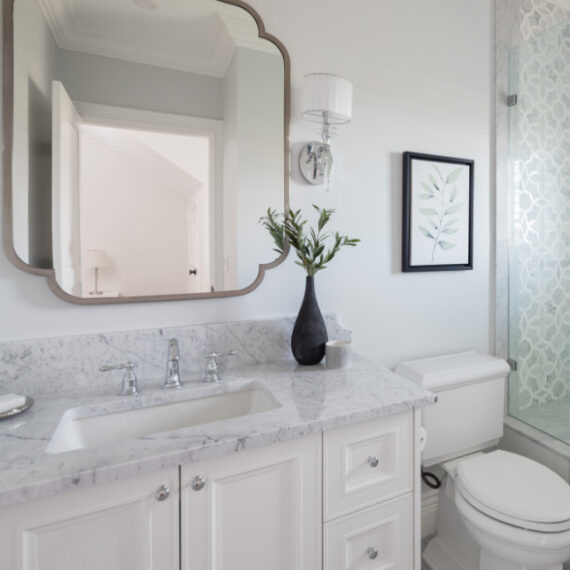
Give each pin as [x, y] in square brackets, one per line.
[143, 140]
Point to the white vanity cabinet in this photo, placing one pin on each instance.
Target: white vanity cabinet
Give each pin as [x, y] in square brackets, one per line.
[343, 499]
[255, 510]
[368, 495]
[126, 525]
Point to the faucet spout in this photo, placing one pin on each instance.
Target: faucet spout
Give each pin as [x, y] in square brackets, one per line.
[172, 379]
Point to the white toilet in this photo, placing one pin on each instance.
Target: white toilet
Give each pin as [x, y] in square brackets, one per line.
[497, 510]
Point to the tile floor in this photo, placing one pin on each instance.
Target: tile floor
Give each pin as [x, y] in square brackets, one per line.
[426, 567]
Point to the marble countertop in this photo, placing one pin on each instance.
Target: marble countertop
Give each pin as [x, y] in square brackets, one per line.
[312, 399]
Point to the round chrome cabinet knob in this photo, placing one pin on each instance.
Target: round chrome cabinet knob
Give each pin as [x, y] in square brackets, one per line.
[198, 483]
[162, 493]
[372, 552]
[373, 461]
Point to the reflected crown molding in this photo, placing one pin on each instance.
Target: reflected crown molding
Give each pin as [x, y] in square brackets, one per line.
[207, 51]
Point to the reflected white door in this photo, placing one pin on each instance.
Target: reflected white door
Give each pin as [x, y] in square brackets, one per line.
[65, 190]
[195, 273]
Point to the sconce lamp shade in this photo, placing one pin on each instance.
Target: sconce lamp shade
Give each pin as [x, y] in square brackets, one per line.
[327, 98]
[95, 258]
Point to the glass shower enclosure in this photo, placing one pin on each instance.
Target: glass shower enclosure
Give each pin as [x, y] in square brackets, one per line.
[538, 203]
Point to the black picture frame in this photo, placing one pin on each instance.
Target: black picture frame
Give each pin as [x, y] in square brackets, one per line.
[437, 231]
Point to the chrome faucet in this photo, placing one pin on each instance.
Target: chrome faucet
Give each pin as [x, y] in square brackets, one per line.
[212, 374]
[172, 379]
[130, 383]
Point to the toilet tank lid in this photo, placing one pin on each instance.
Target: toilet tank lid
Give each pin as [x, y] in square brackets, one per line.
[441, 372]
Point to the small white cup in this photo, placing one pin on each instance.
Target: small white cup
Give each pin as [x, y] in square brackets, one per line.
[338, 353]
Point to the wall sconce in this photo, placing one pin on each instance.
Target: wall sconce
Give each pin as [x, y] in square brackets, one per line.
[327, 99]
[95, 258]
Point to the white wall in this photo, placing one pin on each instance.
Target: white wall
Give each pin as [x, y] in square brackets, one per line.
[35, 54]
[253, 98]
[227, 277]
[259, 100]
[422, 74]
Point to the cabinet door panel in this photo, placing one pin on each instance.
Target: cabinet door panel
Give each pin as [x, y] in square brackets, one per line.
[120, 526]
[259, 509]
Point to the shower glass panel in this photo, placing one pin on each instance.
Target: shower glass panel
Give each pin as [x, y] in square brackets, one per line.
[539, 240]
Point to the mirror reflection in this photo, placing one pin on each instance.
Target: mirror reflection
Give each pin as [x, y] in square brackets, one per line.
[148, 140]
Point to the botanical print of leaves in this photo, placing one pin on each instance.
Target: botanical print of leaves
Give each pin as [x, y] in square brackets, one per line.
[439, 192]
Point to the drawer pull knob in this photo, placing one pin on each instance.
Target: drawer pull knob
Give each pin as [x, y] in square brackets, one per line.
[162, 493]
[372, 552]
[373, 461]
[198, 483]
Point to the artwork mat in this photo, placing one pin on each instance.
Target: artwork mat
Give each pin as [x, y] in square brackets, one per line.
[419, 244]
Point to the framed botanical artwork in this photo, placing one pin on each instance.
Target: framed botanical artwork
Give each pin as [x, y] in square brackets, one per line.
[438, 213]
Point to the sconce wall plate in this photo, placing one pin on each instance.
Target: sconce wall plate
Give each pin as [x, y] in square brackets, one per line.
[316, 162]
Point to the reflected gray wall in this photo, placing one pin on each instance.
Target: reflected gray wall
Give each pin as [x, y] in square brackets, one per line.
[89, 78]
[36, 65]
[107, 81]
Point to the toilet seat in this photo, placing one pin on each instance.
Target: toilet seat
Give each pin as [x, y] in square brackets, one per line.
[515, 490]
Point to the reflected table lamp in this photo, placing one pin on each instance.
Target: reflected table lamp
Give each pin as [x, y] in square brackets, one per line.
[95, 259]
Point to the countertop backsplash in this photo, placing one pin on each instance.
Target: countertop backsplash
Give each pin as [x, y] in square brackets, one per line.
[34, 367]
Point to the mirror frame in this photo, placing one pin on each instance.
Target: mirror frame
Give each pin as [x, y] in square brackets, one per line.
[8, 134]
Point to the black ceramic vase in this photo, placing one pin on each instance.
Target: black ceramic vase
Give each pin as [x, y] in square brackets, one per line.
[309, 333]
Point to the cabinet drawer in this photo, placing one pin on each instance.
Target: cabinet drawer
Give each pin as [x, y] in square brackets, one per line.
[367, 463]
[376, 538]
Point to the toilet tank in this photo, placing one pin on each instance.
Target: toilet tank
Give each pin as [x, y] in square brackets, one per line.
[468, 415]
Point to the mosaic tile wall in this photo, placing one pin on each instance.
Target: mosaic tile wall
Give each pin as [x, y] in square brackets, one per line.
[539, 151]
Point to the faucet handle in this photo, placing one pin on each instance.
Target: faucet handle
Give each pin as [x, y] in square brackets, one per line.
[128, 365]
[130, 383]
[212, 365]
[219, 354]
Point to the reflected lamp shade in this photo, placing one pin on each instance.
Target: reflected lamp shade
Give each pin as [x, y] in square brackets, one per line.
[95, 258]
[327, 98]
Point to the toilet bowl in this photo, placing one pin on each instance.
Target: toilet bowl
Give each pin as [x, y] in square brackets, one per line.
[516, 510]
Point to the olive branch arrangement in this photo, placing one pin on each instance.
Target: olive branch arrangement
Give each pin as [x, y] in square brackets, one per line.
[310, 246]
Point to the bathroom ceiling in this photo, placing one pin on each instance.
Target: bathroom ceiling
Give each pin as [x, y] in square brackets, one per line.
[177, 34]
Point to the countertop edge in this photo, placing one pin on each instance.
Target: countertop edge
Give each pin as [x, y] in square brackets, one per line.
[144, 465]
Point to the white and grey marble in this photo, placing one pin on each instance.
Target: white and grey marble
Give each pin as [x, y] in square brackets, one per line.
[311, 399]
[41, 366]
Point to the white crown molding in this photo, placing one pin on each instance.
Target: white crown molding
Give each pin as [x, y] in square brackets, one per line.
[233, 27]
[54, 12]
[68, 35]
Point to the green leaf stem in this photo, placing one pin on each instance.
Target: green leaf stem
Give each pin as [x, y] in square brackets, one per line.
[310, 246]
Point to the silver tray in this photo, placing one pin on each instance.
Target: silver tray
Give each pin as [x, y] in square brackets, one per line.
[19, 410]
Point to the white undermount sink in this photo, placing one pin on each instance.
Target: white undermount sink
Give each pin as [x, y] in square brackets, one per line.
[75, 431]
